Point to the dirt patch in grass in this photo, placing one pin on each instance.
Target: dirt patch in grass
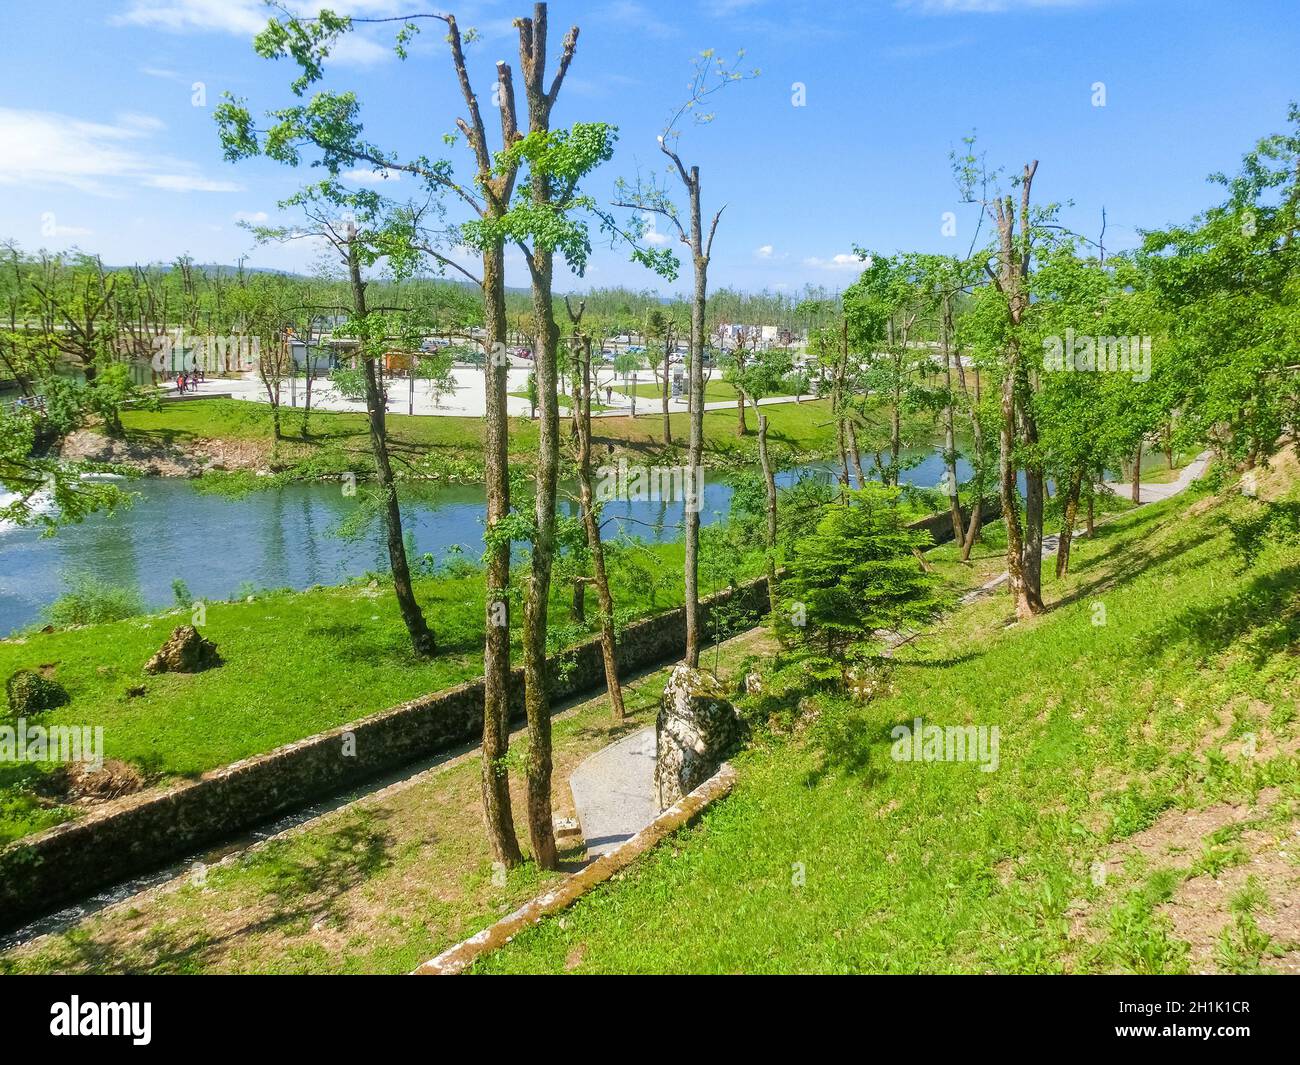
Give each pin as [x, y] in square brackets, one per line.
[1264, 888]
[1175, 841]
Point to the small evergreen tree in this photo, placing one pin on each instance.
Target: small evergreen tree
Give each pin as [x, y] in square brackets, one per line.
[856, 574]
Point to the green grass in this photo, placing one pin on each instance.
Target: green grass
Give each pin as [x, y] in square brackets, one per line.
[296, 663]
[832, 857]
[452, 447]
[714, 391]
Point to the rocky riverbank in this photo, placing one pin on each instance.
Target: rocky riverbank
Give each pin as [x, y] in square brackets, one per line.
[156, 458]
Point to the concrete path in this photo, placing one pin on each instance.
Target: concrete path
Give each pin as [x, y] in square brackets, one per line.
[614, 792]
[621, 406]
[1154, 492]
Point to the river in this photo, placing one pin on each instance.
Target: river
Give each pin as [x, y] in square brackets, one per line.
[284, 537]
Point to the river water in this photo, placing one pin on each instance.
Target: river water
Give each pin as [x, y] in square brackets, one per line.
[284, 537]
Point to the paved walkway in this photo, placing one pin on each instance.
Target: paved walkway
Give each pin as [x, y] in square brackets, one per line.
[1153, 492]
[614, 792]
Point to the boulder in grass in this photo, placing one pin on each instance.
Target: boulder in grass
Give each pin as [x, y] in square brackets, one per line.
[696, 729]
[184, 652]
[29, 693]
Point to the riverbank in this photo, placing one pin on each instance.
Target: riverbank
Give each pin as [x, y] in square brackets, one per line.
[296, 664]
[213, 435]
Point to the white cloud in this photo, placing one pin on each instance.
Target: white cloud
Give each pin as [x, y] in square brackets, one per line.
[51, 228]
[47, 148]
[650, 234]
[133, 120]
[252, 217]
[765, 252]
[190, 183]
[365, 176]
[245, 18]
[842, 261]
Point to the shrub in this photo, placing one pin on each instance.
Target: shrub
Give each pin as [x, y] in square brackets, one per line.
[30, 693]
[90, 601]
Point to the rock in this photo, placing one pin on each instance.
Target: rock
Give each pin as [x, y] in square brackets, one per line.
[30, 693]
[696, 729]
[184, 652]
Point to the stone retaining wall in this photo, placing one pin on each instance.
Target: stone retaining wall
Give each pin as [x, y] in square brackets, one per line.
[143, 832]
[939, 524]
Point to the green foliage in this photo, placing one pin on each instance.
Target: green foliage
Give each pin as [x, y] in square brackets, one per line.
[854, 575]
[29, 693]
[91, 601]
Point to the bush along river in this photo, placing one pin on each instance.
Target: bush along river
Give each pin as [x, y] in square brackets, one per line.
[285, 537]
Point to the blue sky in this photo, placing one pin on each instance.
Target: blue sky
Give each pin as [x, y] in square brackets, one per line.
[104, 148]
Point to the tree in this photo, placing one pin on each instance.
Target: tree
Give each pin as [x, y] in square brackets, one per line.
[1008, 266]
[763, 375]
[660, 336]
[1227, 281]
[711, 74]
[582, 345]
[331, 125]
[364, 228]
[856, 574]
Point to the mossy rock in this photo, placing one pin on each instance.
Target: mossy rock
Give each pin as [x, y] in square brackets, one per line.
[30, 693]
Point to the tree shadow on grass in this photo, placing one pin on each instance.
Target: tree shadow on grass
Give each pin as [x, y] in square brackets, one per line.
[1263, 618]
[1128, 565]
[304, 884]
[844, 743]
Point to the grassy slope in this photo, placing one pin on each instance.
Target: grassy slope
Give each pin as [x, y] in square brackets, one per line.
[1106, 730]
[296, 663]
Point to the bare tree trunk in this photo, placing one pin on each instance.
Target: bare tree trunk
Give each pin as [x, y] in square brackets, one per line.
[591, 523]
[495, 783]
[837, 409]
[695, 446]
[1071, 513]
[972, 529]
[855, 453]
[1137, 474]
[537, 703]
[769, 485]
[668, 422]
[949, 431]
[1024, 548]
[1035, 503]
[421, 637]
[497, 184]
